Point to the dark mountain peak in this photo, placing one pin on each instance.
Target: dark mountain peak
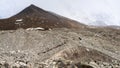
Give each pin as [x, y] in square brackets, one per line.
[32, 5]
[32, 9]
[33, 16]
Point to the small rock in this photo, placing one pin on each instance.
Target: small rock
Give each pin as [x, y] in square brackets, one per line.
[93, 64]
[80, 38]
[6, 65]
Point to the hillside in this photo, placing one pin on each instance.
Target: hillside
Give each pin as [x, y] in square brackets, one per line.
[36, 38]
[33, 16]
[36, 48]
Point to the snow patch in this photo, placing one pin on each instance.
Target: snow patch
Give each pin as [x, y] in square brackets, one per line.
[19, 20]
[38, 28]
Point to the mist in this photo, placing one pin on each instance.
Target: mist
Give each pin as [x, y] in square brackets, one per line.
[90, 12]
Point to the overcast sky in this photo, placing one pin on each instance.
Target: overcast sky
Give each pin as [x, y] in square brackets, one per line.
[96, 12]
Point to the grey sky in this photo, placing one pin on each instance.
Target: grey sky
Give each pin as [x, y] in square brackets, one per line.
[87, 11]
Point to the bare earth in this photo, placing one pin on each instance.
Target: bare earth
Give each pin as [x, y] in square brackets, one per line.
[86, 48]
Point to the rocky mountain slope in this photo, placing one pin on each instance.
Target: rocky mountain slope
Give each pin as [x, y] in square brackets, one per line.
[34, 48]
[33, 16]
[35, 38]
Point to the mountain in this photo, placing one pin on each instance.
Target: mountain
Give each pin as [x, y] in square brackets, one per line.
[114, 27]
[33, 16]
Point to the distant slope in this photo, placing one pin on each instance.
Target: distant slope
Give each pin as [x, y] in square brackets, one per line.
[33, 16]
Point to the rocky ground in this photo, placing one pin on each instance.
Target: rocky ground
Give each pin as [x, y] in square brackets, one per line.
[60, 48]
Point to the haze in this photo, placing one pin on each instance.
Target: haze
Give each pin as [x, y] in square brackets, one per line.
[91, 12]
